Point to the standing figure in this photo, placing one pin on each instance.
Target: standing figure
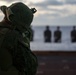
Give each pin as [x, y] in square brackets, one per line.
[16, 58]
[32, 35]
[73, 35]
[57, 35]
[47, 34]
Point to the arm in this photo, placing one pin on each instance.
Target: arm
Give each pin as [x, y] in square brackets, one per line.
[6, 62]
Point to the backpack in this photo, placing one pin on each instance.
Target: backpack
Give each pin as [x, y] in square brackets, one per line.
[23, 58]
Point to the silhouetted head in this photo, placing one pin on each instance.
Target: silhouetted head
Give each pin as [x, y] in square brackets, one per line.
[19, 14]
[74, 27]
[58, 27]
[47, 27]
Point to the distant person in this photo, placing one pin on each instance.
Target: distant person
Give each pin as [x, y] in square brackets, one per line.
[47, 34]
[32, 35]
[57, 35]
[73, 34]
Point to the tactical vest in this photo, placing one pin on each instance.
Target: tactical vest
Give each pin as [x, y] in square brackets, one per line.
[6, 65]
[19, 56]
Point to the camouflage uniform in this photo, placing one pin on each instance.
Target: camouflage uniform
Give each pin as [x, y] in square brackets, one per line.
[16, 57]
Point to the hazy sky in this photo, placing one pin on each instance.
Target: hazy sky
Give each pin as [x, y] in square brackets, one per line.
[49, 12]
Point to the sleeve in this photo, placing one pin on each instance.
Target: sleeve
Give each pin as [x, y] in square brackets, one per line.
[6, 67]
[11, 43]
[10, 40]
[5, 56]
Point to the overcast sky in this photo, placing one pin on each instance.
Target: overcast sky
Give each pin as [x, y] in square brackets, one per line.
[49, 12]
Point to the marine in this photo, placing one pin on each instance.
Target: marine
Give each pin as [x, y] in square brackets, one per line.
[16, 57]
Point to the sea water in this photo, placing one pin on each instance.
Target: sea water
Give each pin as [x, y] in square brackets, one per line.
[39, 44]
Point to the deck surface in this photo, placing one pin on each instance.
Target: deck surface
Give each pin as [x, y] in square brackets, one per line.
[61, 63]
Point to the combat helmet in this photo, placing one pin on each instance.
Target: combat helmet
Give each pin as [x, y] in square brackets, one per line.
[19, 14]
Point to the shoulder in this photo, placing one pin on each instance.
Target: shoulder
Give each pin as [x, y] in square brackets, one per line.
[10, 39]
[12, 33]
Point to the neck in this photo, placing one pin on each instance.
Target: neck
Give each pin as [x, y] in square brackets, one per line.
[5, 20]
[6, 23]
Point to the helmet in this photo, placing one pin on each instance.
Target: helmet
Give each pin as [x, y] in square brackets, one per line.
[19, 14]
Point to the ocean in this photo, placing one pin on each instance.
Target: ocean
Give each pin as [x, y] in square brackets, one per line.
[39, 44]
